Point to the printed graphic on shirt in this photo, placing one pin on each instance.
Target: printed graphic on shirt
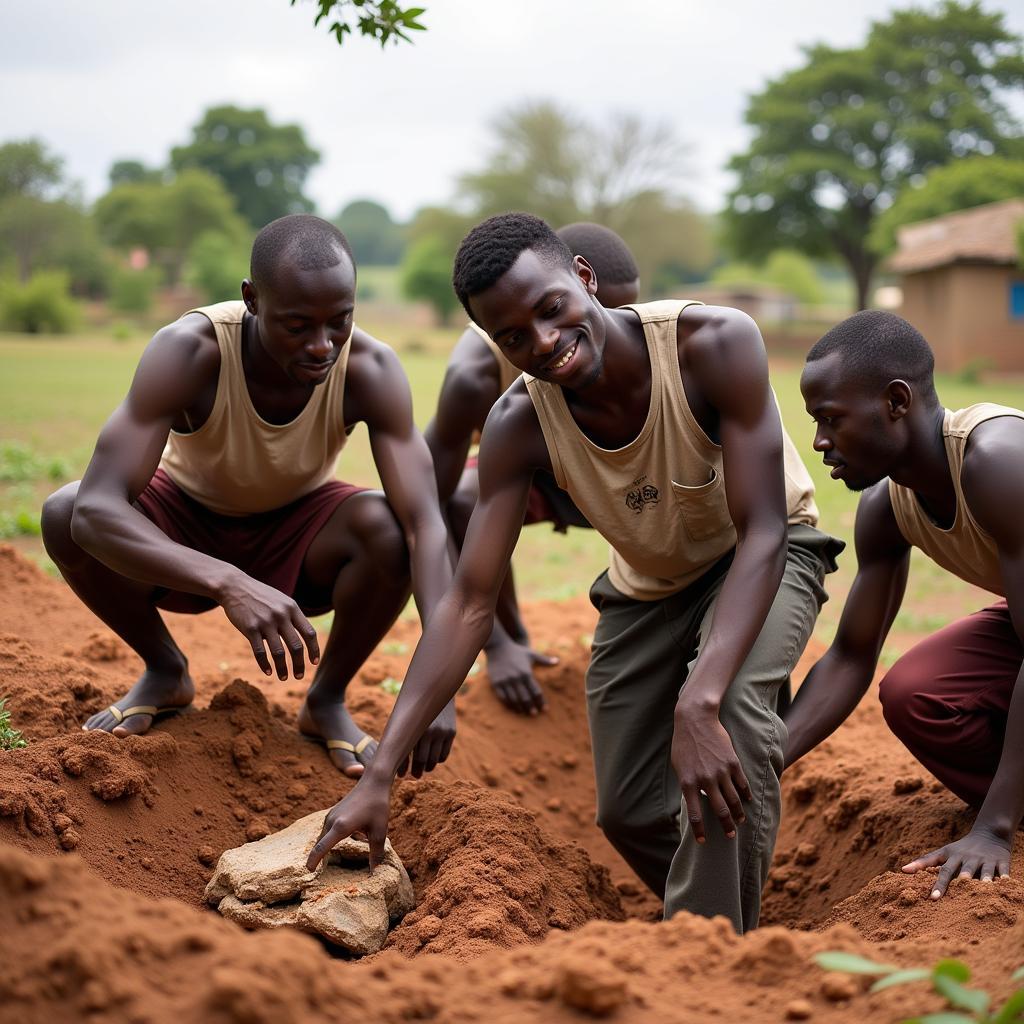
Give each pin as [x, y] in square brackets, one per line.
[641, 495]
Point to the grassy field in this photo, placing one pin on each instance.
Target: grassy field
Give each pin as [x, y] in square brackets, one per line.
[55, 394]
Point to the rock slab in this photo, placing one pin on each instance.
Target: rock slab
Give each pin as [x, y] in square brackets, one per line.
[266, 885]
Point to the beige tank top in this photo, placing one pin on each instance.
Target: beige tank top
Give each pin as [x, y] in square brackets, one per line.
[237, 463]
[965, 549]
[660, 500]
[507, 373]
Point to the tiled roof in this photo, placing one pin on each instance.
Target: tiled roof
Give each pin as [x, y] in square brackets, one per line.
[984, 234]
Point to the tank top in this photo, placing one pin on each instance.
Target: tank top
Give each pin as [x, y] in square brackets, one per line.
[660, 500]
[507, 373]
[238, 464]
[965, 549]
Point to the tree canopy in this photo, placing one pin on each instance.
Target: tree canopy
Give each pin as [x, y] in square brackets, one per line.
[375, 238]
[836, 140]
[383, 20]
[263, 165]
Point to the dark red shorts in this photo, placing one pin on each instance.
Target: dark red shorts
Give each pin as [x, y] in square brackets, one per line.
[269, 547]
[547, 502]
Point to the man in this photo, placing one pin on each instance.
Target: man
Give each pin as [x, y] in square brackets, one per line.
[477, 375]
[955, 489]
[213, 484]
[660, 422]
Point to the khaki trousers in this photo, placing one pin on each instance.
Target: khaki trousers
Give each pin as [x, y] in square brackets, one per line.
[642, 654]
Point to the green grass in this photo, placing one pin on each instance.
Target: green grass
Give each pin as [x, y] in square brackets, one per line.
[55, 394]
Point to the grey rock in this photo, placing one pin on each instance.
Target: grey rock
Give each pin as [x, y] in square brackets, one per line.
[266, 885]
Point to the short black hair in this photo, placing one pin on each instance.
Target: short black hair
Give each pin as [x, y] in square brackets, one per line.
[490, 249]
[879, 347]
[311, 243]
[603, 250]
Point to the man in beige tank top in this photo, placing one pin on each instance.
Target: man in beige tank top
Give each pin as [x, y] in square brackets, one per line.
[660, 422]
[213, 484]
[476, 377]
[952, 484]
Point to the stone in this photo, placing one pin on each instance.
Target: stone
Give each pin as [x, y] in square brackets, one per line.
[265, 884]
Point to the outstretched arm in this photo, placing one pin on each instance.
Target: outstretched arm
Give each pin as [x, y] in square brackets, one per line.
[993, 486]
[836, 683]
[459, 625]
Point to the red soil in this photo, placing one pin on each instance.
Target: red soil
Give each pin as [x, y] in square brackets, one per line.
[508, 865]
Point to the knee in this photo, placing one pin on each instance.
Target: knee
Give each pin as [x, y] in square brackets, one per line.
[382, 539]
[900, 693]
[621, 818]
[55, 523]
[460, 509]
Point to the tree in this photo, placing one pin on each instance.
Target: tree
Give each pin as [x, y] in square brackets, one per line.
[217, 264]
[166, 218]
[835, 141]
[263, 165]
[957, 186]
[623, 175]
[427, 276]
[27, 169]
[131, 172]
[375, 238]
[789, 271]
[379, 19]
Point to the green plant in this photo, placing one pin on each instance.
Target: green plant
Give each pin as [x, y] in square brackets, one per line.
[948, 979]
[42, 303]
[10, 739]
[19, 464]
[133, 290]
[391, 685]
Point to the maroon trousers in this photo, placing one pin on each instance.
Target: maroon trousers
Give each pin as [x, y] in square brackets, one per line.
[947, 699]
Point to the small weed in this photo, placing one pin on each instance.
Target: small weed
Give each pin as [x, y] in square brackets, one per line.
[19, 523]
[19, 464]
[394, 647]
[10, 739]
[391, 685]
[948, 979]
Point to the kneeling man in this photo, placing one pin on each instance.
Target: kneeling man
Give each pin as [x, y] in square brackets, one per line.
[659, 421]
[952, 484]
[213, 484]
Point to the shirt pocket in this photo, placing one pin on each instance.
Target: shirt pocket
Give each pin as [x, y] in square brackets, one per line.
[704, 509]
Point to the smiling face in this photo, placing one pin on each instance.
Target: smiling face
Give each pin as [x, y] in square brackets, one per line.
[545, 319]
[304, 317]
[859, 433]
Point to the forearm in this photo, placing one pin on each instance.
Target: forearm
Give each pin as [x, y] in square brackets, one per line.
[742, 606]
[831, 691]
[1003, 807]
[122, 538]
[451, 641]
[430, 563]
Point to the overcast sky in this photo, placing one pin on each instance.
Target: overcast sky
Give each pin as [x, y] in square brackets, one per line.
[109, 79]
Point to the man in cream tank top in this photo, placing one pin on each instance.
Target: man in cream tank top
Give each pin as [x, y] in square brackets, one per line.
[660, 422]
[952, 484]
[477, 376]
[213, 484]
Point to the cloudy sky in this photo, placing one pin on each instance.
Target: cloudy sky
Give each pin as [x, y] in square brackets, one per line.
[106, 79]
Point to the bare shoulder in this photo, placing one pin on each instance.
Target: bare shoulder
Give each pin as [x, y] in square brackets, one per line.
[721, 342]
[178, 363]
[992, 477]
[513, 432]
[472, 371]
[877, 533]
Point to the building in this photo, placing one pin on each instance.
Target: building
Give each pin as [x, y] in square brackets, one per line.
[963, 287]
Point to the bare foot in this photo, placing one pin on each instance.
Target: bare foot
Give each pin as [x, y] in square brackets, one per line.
[333, 722]
[153, 689]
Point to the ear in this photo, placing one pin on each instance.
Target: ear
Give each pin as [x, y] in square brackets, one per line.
[586, 273]
[249, 295]
[899, 397]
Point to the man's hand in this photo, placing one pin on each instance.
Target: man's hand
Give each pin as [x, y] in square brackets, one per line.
[365, 812]
[980, 854]
[704, 760]
[434, 745]
[267, 618]
[510, 669]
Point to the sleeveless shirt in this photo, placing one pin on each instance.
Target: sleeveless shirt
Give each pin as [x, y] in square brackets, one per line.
[965, 549]
[238, 464]
[660, 500]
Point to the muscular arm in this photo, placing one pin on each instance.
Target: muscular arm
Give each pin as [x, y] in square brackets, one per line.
[840, 678]
[381, 397]
[511, 448]
[469, 391]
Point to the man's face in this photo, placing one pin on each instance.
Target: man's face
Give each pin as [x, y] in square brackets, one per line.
[545, 319]
[855, 431]
[304, 317]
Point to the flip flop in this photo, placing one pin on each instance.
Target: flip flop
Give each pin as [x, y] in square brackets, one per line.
[138, 709]
[353, 748]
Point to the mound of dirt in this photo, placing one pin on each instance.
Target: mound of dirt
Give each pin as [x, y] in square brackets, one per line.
[525, 910]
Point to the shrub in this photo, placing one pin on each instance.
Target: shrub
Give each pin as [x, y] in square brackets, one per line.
[10, 739]
[43, 303]
[133, 290]
[216, 266]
